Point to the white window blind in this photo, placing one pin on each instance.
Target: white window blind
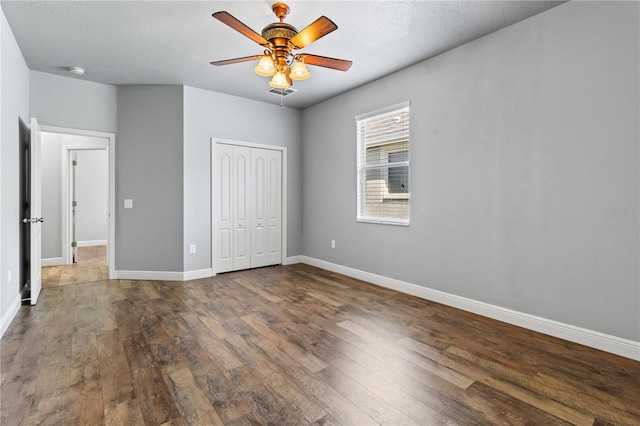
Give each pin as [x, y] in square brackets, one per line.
[383, 165]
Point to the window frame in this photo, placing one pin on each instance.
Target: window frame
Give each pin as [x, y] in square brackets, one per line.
[398, 164]
[362, 167]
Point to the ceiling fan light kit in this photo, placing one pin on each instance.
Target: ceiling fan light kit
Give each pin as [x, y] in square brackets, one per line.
[299, 71]
[280, 40]
[265, 67]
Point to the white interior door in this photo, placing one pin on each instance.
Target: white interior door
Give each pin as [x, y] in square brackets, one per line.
[258, 207]
[241, 208]
[223, 215]
[273, 180]
[35, 261]
[247, 189]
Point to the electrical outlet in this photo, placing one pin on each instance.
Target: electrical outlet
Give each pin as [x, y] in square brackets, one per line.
[9, 276]
[333, 243]
[192, 248]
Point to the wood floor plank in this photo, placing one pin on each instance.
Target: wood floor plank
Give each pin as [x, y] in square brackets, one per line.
[165, 355]
[486, 405]
[265, 406]
[126, 319]
[257, 290]
[335, 403]
[85, 386]
[104, 315]
[372, 341]
[374, 405]
[280, 383]
[20, 381]
[193, 404]
[117, 384]
[289, 345]
[397, 388]
[214, 347]
[51, 396]
[309, 360]
[124, 413]
[156, 403]
[222, 395]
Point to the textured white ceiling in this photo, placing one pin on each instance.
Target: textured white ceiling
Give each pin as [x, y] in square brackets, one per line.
[172, 42]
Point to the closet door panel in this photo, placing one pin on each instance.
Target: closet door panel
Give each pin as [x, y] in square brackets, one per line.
[241, 209]
[223, 218]
[247, 185]
[274, 207]
[258, 207]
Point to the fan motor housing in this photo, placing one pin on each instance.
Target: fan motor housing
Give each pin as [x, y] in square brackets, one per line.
[279, 33]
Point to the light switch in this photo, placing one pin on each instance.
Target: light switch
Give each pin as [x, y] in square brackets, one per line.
[128, 204]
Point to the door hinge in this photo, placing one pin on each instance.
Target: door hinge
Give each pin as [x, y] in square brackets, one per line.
[74, 203]
[74, 163]
[74, 244]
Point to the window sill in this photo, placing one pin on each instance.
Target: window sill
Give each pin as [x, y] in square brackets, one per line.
[383, 221]
[395, 197]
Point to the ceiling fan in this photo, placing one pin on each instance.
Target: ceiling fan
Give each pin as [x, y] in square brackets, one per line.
[280, 40]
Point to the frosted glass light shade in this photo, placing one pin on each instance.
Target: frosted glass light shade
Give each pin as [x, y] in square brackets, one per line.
[265, 67]
[279, 81]
[299, 71]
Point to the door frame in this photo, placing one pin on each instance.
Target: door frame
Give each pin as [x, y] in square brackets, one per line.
[214, 193]
[109, 145]
[68, 152]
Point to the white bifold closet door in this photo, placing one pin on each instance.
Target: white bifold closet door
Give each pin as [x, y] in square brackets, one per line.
[248, 207]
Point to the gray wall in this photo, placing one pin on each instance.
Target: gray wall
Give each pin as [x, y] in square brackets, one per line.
[149, 164]
[14, 107]
[208, 114]
[92, 184]
[73, 103]
[524, 150]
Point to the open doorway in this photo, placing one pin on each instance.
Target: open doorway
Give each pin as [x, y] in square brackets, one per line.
[77, 202]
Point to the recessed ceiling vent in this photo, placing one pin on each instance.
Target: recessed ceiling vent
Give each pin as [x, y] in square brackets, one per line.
[282, 92]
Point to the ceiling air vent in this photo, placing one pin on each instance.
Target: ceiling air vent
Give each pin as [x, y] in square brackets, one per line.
[282, 92]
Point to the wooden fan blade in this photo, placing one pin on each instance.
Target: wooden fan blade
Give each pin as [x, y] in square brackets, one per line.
[323, 61]
[319, 28]
[231, 21]
[236, 60]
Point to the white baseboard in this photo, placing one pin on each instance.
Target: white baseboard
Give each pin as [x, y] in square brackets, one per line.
[9, 315]
[196, 275]
[162, 276]
[612, 344]
[90, 243]
[292, 260]
[52, 261]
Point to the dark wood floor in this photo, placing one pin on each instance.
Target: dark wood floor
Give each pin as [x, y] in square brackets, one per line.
[292, 345]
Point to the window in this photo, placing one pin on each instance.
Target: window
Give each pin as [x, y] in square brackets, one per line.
[383, 165]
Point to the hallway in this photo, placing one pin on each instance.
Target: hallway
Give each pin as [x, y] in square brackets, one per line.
[91, 266]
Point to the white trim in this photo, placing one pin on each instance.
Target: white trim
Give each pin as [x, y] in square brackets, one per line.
[9, 315]
[110, 147]
[196, 275]
[292, 260]
[284, 165]
[163, 275]
[91, 243]
[149, 275]
[52, 261]
[594, 339]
